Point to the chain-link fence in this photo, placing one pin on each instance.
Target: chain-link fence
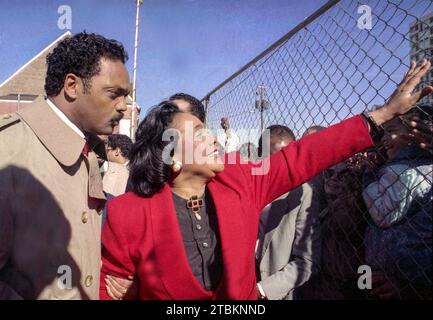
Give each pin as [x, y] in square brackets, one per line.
[376, 208]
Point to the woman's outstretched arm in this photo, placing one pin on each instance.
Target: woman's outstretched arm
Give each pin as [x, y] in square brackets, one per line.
[303, 159]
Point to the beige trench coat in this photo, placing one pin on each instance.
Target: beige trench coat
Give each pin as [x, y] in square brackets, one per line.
[51, 203]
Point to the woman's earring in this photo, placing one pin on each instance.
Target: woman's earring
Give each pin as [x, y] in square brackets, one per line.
[176, 166]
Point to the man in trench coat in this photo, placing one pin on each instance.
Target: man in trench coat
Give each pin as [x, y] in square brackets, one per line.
[51, 196]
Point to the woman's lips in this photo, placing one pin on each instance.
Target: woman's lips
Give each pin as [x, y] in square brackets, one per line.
[213, 154]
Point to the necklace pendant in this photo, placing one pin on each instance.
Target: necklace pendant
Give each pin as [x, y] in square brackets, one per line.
[194, 203]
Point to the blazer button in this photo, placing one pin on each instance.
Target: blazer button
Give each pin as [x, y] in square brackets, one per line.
[88, 282]
[84, 217]
[205, 244]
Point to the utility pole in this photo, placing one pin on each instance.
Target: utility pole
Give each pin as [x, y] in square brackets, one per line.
[262, 103]
[134, 112]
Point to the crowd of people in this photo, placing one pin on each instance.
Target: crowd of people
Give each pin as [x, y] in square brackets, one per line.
[88, 214]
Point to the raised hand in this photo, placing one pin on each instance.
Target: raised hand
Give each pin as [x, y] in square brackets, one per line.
[403, 98]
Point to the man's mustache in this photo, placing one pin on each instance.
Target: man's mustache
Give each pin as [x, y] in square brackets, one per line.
[117, 118]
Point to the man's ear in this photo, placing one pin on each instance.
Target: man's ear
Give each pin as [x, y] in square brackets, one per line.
[72, 86]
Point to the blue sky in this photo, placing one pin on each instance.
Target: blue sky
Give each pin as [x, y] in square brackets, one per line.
[326, 72]
[185, 45]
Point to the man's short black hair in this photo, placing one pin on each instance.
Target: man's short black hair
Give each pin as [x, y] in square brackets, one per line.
[315, 128]
[281, 131]
[122, 142]
[81, 55]
[197, 108]
[276, 130]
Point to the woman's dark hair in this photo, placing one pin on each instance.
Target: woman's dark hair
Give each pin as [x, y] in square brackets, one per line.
[148, 170]
[81, 55]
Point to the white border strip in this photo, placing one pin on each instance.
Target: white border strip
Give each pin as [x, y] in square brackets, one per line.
[16, 101]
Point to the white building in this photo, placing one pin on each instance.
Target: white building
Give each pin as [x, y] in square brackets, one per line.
[421, 42]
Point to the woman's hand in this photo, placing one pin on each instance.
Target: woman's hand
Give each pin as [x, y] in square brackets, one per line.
[402, 100]
[118, 288]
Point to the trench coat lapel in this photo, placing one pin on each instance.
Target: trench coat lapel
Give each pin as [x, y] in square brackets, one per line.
[63, 143]
[60, 140]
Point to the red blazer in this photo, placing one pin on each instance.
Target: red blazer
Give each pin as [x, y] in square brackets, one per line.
[141, 236]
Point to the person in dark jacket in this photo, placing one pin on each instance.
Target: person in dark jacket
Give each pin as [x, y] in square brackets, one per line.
[399, 201]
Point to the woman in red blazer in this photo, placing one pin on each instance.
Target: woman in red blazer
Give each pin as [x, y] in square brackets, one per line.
[142, 236]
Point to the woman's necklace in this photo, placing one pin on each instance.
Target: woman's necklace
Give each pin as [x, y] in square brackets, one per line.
[194, 203]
